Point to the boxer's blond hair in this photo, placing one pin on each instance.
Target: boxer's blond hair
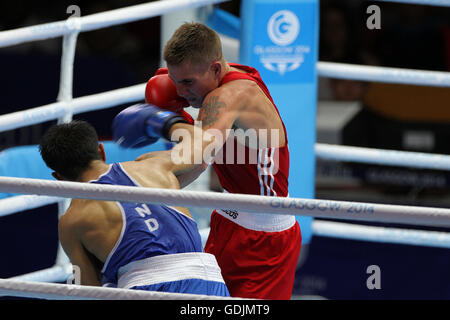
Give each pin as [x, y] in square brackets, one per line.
[195, 43]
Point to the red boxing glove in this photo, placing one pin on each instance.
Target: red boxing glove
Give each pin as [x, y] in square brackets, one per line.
[162, 71]
[161, 92]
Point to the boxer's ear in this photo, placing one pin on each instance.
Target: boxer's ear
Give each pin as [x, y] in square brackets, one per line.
[216, 68]
[101, 151]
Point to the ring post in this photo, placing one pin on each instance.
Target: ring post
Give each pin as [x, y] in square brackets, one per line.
[280, 39]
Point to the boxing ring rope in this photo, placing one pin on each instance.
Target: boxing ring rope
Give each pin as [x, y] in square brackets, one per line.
[15, 204]
[98, 20]
[418, 160]
[383, 74]
[134, 93]
[66, 106]
[57, 291]
[78, 105]
[381, 234]
[251, 203]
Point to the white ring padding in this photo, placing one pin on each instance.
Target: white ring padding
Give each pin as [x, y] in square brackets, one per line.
[98, 20]
[25, 202]
[56, 110]
[383, 74]
[56, 291]
[443, 3]
[251, 203]
[382, 156]
[380, 234]
[65, 93]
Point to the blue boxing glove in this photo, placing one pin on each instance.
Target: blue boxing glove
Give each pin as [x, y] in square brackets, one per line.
[143, 124]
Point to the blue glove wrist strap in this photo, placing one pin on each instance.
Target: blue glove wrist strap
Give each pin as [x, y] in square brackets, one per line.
[159, 123]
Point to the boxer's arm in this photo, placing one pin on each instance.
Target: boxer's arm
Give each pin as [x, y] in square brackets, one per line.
[198, 146]
[187, 177]
[69, 235]
[188, 152]
[192, 149]
[221, 110]
[185, 160]
[162, 161]
[218, 113]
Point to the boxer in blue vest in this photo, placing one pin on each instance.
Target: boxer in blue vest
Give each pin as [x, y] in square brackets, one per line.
[122, 244]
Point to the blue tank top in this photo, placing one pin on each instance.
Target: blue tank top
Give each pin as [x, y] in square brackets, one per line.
[148, 230]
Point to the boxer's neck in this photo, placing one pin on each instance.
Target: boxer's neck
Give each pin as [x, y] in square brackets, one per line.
[95, 170]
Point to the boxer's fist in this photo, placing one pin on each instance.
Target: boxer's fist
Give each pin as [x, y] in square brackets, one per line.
[161, 92]
[142, 124]
[129, 127]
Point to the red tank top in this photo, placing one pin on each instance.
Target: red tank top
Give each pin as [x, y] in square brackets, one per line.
[262, 172]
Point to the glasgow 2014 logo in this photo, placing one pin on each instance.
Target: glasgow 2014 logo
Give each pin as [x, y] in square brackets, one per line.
[283, 27]
[283, 54]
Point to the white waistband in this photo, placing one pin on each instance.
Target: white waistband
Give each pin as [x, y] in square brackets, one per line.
[169, 267]
[259, 221]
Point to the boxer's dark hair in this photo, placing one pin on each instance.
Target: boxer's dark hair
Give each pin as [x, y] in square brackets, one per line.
[69, 148]
[193, 42]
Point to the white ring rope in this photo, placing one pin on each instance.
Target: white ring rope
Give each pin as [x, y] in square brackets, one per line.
[323, 151]
[25, 202]
[250, 203]
[382, 156]
[78, 105]
[380, 234]
[383, 74]
[98, 20]
[58, 291]
[332, 229]
[134, 93]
